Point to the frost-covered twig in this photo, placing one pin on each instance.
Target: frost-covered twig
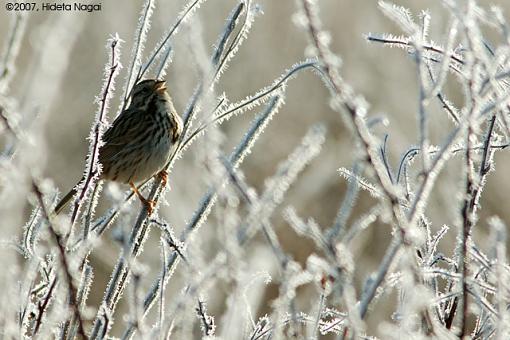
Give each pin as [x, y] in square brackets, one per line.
[262, 96]
[138, 45]
[207, 322]
[64, 261]
[354, 106]
[188, 11]
[93, 169]
[11, 48]
[141, 227]
[374, 281]
[81, 298]
[208, 200]
[404, 43]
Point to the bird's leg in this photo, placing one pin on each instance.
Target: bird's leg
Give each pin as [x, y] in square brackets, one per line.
[163, 174]
[149, 204]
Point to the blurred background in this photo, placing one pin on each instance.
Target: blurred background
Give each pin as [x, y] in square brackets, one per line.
[59, 73]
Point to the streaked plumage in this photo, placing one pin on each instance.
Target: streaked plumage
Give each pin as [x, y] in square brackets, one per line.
[140, 141]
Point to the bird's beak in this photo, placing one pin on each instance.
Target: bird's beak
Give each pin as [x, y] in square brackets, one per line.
[160, 86]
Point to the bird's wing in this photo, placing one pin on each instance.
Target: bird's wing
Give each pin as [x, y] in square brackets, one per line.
[124, 130]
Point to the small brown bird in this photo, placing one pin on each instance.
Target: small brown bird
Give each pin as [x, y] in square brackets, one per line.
[140, 141]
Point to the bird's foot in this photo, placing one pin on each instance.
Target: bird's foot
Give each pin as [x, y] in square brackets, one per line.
[148, 204]
[163, 175]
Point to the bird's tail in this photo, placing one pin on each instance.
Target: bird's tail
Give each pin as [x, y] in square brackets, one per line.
[64, 202]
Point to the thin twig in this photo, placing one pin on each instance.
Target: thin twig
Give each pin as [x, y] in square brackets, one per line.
[68, 278]
[93, 171]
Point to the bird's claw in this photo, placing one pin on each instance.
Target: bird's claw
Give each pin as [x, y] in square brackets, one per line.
[163, 175]
[150, 205]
